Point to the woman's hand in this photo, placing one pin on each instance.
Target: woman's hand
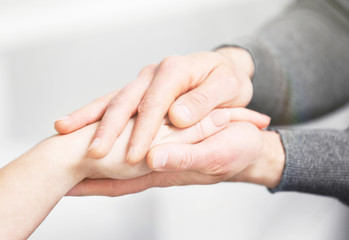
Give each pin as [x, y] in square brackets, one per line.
[186, 87]
[31, 185]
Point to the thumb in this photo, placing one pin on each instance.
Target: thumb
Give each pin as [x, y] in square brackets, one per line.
[229, 150]
[217, 90]
[174, 157]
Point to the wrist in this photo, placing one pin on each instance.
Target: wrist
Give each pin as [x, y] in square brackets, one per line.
[240, 57]
[268, 168]
[73, 158]
[272, 162]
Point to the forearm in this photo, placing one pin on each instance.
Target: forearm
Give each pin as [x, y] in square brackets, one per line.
[31, 185]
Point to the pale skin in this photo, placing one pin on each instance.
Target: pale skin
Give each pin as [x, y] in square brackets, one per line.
[186, 88]
[32, 184]
[198, 82]
[252, 156]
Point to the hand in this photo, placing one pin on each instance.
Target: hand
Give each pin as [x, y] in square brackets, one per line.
[46, 172]
[114, 165]
[187, 87]
[240, 152]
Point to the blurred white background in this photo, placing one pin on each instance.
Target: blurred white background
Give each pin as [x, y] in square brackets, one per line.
[56, 56]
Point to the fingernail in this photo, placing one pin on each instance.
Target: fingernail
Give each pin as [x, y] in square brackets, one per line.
[220, 117]
[63, 118]
[183, 112]
[160, 159]
[94, 144]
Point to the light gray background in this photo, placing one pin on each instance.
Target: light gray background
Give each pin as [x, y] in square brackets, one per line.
[56, 56]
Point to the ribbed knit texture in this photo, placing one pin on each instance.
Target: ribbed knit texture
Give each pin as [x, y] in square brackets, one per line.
[302, 72]
[317, 162]
[302, 61]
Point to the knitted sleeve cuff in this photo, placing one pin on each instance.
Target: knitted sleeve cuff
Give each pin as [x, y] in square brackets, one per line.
[317, 161]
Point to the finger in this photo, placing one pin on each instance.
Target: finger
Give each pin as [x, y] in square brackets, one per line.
[217, 120]
[116, 187]
[119, 111]
[170, 80]
[215, 155]
[88, 114]
[260, 120]
[110, 187]
[175, 157]
[216, 91]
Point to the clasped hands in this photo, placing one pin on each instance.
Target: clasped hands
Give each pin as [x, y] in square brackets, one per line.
[182, 121]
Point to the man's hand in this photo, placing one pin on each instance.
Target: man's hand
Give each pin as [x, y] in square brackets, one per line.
[186, 87]
[114, 164]
[241, 152]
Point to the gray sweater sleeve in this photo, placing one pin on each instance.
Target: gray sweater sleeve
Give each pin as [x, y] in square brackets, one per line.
[302, 72]
[317, 161]
[301, 62]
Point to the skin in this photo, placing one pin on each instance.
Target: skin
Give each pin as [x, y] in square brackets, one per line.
[252, 155]
[184, 87]
[43, 175]
[192, 81]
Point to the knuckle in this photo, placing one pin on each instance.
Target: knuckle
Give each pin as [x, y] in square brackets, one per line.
[102, 128]
[199, 130]
[147, 69]
[218, 164]
[225, 72]
[148, 102]
[186, 161]
[107, 128]
[170, 63]
[246, 92]
[199, 99]
[120, 100]
[98, 101]
[228, 80]
[232, 84]
[238, 86]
